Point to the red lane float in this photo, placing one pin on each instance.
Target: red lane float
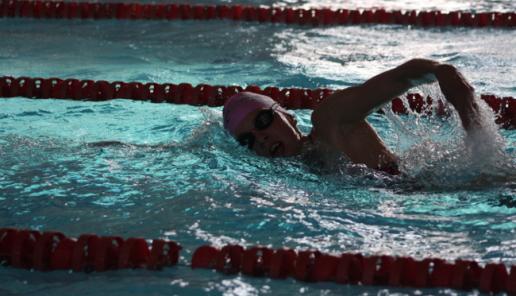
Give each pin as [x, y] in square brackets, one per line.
[309, 17]
[53, 250]
[203, 94]
[314, 266]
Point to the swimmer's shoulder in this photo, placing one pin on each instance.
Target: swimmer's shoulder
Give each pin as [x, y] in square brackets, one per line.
[331, 109]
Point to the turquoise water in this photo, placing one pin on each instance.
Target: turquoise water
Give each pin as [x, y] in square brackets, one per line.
[172, 172]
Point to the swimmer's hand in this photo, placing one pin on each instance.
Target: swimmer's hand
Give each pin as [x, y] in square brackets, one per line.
[460, 94]
[354, 104]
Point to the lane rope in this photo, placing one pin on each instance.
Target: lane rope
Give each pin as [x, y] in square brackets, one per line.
[31, 249]
[309, 17]
[53, 250]
[356, 269]
[46, 251]
[216, 95]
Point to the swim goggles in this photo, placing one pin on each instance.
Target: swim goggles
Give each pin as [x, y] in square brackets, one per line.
[262, 121]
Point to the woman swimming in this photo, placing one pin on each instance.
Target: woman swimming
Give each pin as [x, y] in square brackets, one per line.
[339, 122]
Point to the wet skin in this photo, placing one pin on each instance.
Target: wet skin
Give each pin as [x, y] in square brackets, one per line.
[282, 138]
[339, 122]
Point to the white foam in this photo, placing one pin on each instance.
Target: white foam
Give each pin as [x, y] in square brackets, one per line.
[440, 154]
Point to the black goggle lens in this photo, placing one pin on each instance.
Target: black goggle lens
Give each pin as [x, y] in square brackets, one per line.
[262, 121]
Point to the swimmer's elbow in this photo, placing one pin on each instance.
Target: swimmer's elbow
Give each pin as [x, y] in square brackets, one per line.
[421, 63]
[417, 69]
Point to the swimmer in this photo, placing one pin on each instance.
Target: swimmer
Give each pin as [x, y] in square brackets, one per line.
[339, 125]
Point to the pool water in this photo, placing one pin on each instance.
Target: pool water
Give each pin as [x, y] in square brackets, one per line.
[170, 171]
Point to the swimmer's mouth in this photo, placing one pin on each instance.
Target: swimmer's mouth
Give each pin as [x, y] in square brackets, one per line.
[276, 148]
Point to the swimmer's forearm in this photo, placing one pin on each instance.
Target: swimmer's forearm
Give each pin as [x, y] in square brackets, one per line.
[454, 86]
[358, 102]
[460, 94]
[469, 116]
[395, 82]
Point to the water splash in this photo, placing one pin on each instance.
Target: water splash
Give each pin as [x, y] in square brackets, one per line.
[439, 154]
[435, 153]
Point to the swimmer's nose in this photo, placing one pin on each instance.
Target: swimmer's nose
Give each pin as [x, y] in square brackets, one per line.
[263, 140]
[261, 137]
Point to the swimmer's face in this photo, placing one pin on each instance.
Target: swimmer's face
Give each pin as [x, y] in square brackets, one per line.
[270, 132]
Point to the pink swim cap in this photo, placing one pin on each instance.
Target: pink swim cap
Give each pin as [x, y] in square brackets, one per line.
[242, 104]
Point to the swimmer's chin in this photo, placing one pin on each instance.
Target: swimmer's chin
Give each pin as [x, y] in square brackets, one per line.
[283, 151]
[277, 150]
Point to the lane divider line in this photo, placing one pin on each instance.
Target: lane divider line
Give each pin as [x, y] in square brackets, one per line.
[45, 9]
[216, 95]
[46, 251]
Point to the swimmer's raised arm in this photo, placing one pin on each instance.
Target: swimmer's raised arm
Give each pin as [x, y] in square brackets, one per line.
[339, 123]
[460, 94]
[354, 104]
